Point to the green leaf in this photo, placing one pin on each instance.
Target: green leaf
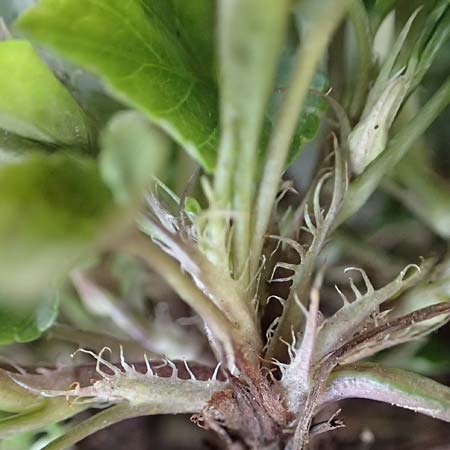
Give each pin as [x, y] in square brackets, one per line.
[135, 48]
[432, 290]
[315, 105]
[27, 320]
[97, 422]
[347, 320]
[33, 440]
[192, 206]
[33, 103]
[309, 122]
[195, 22]
[52, 210]
[52, 411]
[435, 34]
[424, 192]
[15, 399]
[394, 386]
[379, 10]
[15, 148]
[133, 152]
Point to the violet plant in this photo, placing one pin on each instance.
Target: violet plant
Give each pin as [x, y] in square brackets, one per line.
[241, 86]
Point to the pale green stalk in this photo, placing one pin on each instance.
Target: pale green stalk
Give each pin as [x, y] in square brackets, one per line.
[250, 34]
[98, 422]
[170, 270]
[219, 227]
[321, 19]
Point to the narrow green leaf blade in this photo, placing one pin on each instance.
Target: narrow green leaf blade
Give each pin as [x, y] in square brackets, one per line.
[394, 386]
[52, 411]
[134, 47]
[33, 103]
[424, 192]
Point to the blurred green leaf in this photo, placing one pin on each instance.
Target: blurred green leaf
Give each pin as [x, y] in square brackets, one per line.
[192, 206]
[33, 103]
[435, 33]
[379, 9]
[315, 106]
[51, 411]
[133, 151]
[136, 48]
[14, 148]
[52, 210]
[26, 322]
[423, 192]
[16, 399]
[33, 440]
[10, 9]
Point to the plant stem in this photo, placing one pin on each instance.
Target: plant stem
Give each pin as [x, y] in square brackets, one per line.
[363, 186]
[321, 18]
[219, 227]
[292, 317]
[141, 246]
[251, 34]
[98, 422]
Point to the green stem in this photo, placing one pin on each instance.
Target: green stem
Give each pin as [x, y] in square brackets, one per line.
[245, 183]
[258, 29]
[219, 227]
[362, 187]
[361, 25]
[321, 19]
[98, 422]
[141, 246]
